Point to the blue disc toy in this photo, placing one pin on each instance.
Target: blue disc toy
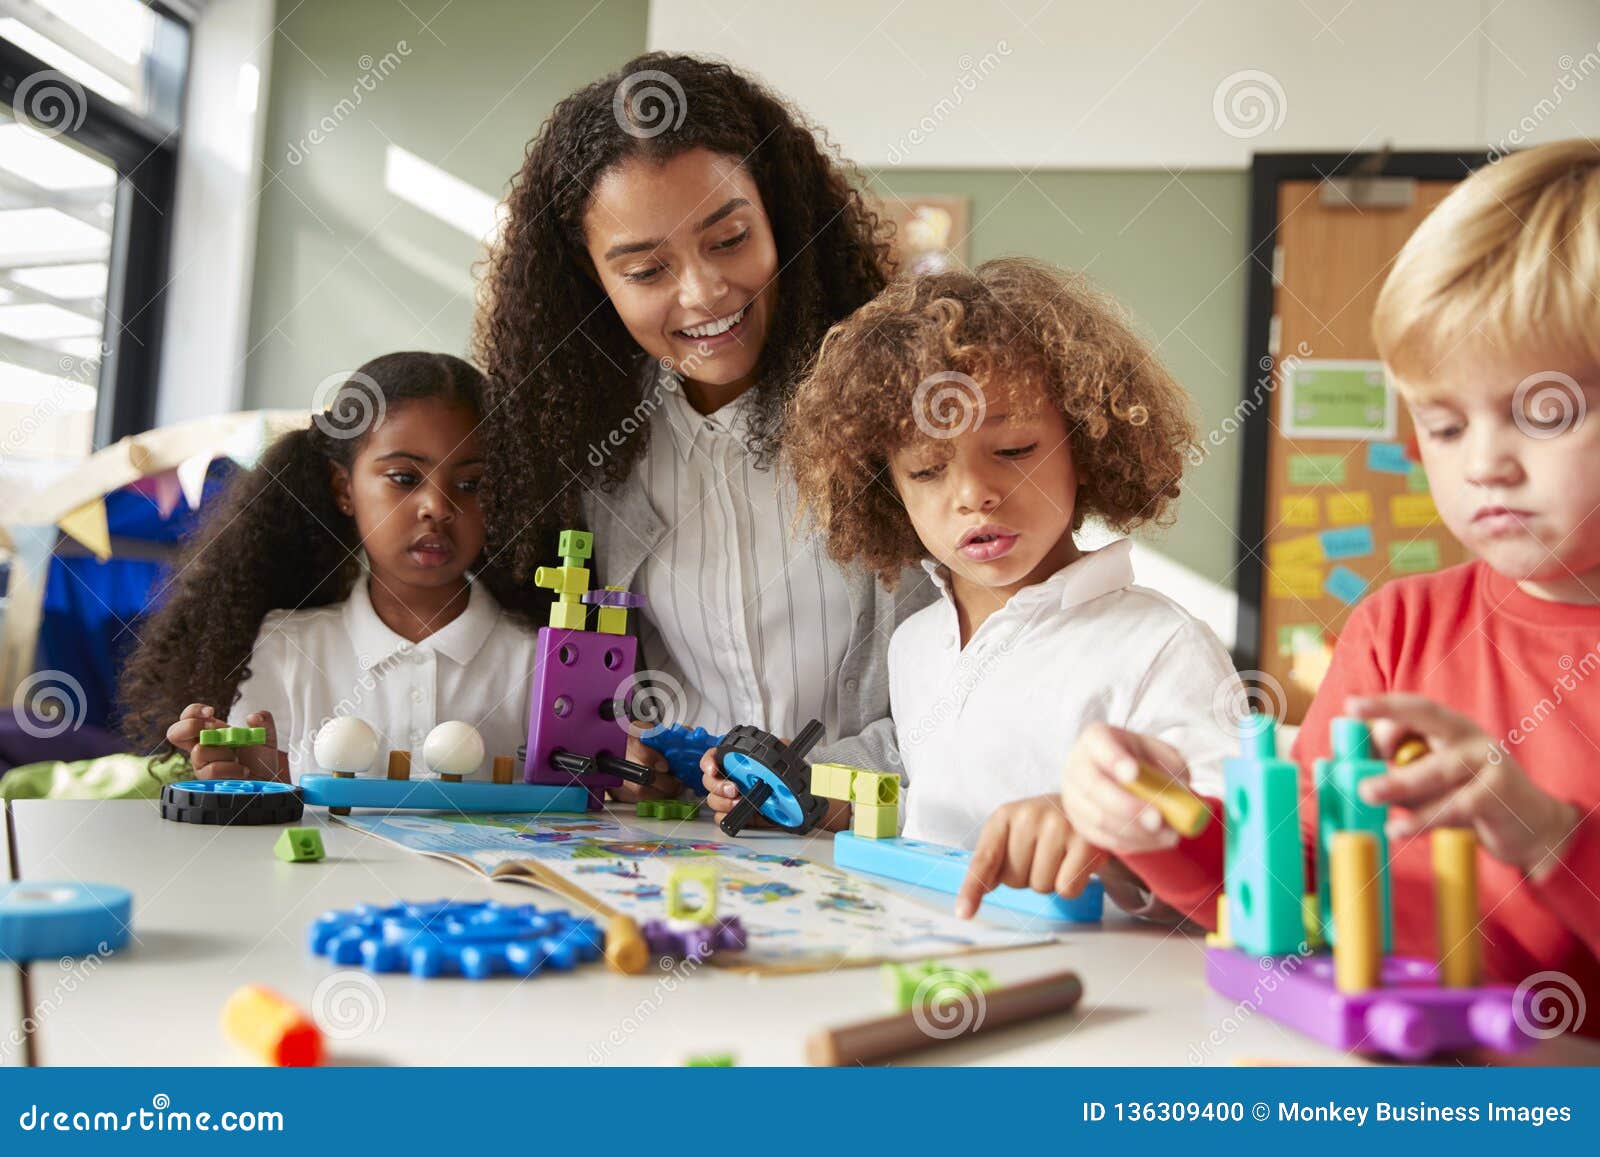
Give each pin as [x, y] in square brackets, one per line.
[231, 801]
[48, 919]
[774, 778]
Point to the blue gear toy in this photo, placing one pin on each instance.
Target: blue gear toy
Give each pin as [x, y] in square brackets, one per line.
[683, 748]
[444, 938]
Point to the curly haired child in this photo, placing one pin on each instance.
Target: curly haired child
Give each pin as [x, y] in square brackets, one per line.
[1486, 324]
[972, 422]
[344, 574]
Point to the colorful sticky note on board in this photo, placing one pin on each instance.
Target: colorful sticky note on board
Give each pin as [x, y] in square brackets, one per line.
[1345, 509]
[1347, 542]
[1414, 557]
[1316, 470]
[1302, 550]
[1298, 510]
[1295, 637]
[1345, 585]
[1417, 480]
[1294, 582]
[1412, 510]
[1388, 458]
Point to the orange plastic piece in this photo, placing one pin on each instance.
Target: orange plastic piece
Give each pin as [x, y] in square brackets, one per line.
[268, 1026]
[1358, 931]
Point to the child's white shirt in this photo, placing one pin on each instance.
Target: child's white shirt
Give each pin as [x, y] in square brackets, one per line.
[310, 665]
[982, 726]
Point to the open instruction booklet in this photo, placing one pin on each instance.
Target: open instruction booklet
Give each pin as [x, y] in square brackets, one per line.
[798, 915]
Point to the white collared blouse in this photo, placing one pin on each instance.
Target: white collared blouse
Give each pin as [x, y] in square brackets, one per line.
[311, 665]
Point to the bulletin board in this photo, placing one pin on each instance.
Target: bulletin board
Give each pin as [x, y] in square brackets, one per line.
[1334, 503]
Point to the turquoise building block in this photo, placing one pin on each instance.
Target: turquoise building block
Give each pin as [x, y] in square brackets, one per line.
[1340, 808]
[1264, 874]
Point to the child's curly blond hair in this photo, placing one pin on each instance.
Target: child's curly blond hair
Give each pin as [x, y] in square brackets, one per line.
[1008, 328]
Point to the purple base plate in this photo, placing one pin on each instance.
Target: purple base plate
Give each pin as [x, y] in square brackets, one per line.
[1410, 1017]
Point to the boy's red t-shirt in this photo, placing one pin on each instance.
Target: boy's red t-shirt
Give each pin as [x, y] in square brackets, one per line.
[1528, 672]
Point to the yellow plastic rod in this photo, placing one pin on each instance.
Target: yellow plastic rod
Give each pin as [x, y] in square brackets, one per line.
[1184, 811]
[1455, 905]
[1358, 933]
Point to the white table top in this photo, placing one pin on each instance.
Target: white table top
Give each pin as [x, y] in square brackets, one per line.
[214, 909]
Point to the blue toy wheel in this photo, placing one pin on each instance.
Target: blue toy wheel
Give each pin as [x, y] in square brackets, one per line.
[247, 802]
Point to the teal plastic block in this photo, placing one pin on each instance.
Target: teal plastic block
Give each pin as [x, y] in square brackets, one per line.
[1340, 808]
[1264, 872]
[942, 869]
[441, 795]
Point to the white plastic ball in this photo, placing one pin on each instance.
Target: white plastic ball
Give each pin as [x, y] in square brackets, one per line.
[346, 744]
[454, 748]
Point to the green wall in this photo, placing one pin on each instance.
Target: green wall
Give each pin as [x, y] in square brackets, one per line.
[346, 270]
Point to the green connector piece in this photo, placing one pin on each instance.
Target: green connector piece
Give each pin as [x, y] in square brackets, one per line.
[710, 1061]
[665, 809]
[931, 983]
[299, 846]
[575, 546]
[233, 736]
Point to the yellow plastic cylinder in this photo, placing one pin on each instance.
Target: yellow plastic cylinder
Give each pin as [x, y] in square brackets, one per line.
[265, 1024]
[1185, 812]
[1358, 942]
[626, 950]
[1455, 906]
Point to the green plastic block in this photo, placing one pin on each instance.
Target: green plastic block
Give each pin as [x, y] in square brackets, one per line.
[880, 788]
[299, 845]
[710, 1061]
[931, 983]
[831, 780]
[612, 620]
[876, 823]
[232, 736]
[1264, 870]
[575, 544]
[564, 580]
[703, 874]
[665, 809]
[567, 615]
[1340, 808]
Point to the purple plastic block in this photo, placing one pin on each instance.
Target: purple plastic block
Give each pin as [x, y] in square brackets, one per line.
[694, 942]
[609, 598]
[1409, 1017]
[577, 677]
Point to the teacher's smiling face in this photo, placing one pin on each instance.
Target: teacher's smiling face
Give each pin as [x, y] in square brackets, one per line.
[684, 250]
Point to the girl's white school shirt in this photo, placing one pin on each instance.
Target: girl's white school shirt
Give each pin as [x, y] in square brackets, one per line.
[993, 722]
[311, 665]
